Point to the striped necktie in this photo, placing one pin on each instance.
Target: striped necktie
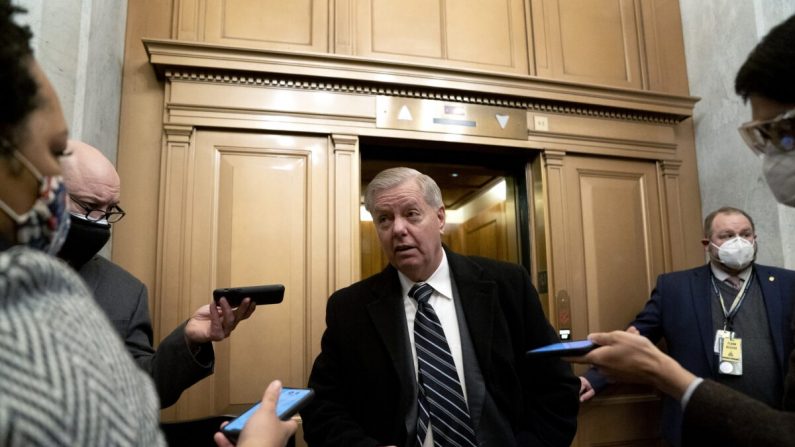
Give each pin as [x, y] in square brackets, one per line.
[441, 401]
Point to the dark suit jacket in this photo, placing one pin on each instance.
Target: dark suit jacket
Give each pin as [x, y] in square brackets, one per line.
[123, 298]
[680, 311]
[363, 376]
[718, 415]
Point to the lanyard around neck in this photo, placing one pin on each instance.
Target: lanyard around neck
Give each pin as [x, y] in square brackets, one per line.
[738, 300]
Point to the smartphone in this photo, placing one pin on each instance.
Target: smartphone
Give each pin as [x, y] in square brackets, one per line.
[267, 294]
[290, 401]
[563, 349]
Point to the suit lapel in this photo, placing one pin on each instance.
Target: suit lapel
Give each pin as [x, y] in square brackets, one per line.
[389, 318]
[478, 300]
[771, 295]
[701, 295]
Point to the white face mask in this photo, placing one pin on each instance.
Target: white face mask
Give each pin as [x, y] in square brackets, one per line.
[737, 253]
[779, 169]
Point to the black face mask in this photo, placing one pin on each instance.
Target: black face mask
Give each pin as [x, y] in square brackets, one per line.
[84, 240]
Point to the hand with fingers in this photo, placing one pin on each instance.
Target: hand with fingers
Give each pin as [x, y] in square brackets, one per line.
[215, 321]
[264, 428]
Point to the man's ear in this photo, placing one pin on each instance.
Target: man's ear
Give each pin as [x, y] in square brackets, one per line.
[441, 215]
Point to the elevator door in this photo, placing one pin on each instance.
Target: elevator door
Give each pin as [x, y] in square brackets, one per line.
[484, 205]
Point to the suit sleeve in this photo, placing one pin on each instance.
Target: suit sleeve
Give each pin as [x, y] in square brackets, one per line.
[173, 367]
[648, 322]
[328, 419]
[549, 387]
[718, 415]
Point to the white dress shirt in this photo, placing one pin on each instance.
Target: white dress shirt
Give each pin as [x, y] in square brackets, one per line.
[443, 305]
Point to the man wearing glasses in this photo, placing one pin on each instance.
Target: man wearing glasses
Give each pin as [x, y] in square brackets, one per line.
[715, 414]
[186, 355]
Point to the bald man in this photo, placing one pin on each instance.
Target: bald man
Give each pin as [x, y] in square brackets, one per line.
[186, 355]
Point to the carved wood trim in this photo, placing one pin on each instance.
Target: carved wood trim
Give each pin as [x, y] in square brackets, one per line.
[172, 244]
[344, 211]
[556, 218]
[671, 209]
[336, 86]
[203, 62]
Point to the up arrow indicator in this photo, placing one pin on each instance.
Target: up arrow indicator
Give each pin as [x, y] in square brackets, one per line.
[502, 120]
[404, 114]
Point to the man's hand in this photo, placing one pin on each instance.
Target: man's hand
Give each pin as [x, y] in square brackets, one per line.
[214, 322]
[625, 356]
[263, 428]
[586, 390]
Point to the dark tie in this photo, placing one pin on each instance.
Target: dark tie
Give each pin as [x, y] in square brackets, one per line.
[441, 401]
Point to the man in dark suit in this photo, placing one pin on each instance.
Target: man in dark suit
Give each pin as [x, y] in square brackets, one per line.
[186, 355]
[372, 378]
[687, 308]
[715, 414]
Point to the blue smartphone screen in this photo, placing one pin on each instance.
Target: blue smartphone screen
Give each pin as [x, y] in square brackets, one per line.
[578, 347]
[287, 400]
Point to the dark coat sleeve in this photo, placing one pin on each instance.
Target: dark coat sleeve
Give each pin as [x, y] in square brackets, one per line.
[124, 299]
[718, 415]
[360, 398]
[331, 419]
[549, 389]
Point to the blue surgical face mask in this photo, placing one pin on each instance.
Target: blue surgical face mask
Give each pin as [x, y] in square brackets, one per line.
[45, 225]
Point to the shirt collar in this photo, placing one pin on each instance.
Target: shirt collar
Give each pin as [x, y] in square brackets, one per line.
[440, 280]
[721, 275]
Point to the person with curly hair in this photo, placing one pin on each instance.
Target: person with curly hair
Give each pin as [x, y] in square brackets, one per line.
[65, 376]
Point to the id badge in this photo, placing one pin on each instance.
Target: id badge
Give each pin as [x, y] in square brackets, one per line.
[719, 336]
[731, 357]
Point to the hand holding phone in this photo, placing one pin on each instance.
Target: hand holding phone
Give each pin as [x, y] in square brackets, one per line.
[290, 400]
[267, 294]
[563, 349]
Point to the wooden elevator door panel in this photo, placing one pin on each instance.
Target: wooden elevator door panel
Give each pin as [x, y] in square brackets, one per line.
[606, 251]
[257, 215]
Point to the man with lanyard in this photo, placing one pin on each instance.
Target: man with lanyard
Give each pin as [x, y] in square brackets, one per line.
[727, 320]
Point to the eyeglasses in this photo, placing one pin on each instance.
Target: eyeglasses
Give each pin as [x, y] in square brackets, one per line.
[770, 136]
[112, 215]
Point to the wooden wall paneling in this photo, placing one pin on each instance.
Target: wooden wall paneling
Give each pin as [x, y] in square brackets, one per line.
[344, 238]
[373, 258]
[172, 239]
[686, 182]
[563, 281]
[189, 19]
[605, 219]
[624, 421]
[401, 29]
[671, 207]
[664, 46]
[488, 35]
[538, 36]
[590, 42]
[297, 25]
[622, 237]
[257, 214]
[342, 34]
[486, 234]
